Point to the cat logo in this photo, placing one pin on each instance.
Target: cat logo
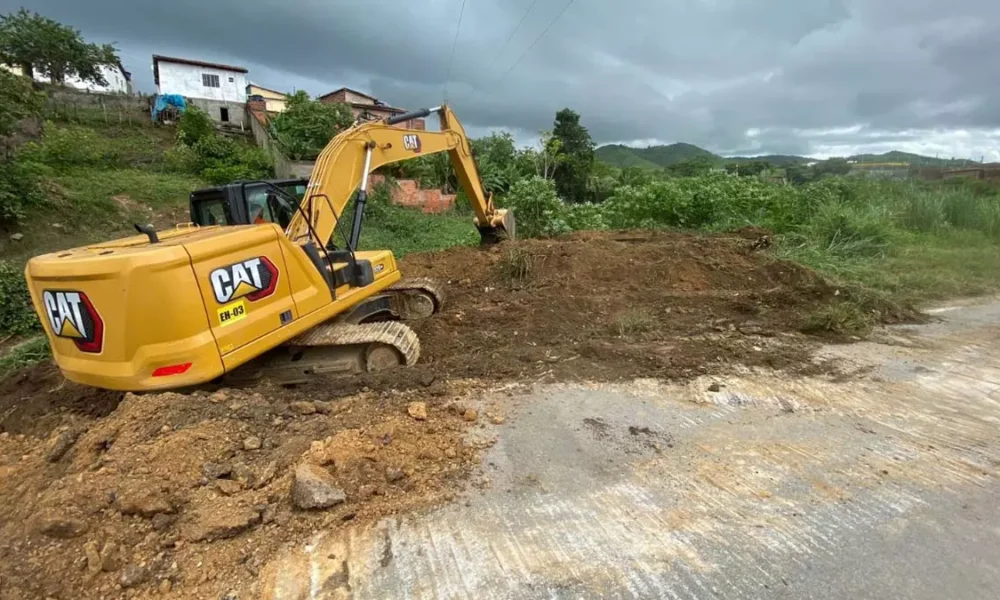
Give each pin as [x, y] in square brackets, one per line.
[411, 141]
[73, 316]
[252, 279]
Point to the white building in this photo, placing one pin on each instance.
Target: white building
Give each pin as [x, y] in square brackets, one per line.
[119, 80]
[219, 90]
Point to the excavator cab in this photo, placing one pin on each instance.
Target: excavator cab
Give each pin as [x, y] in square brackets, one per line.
[248, 202]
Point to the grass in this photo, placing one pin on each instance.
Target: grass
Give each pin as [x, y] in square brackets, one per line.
[633, 321]
[23, 355]
[516, 267]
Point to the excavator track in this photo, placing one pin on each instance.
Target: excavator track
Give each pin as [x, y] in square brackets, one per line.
[334, 349]
[421, 297]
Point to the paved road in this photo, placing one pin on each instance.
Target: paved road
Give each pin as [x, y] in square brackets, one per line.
[879, 483]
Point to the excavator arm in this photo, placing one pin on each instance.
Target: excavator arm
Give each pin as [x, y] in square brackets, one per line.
[351, 156]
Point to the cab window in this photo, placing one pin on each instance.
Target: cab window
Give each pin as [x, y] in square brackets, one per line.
[211, 212]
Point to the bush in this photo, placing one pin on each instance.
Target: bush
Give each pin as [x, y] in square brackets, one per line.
[194, 125]
[17, 316]
[306, 126]
[66, 146]
[220, 160]
[18, 188]
[851, 231]
[537, 208]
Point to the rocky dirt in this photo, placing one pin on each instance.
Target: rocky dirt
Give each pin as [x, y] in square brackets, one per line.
[106, 496]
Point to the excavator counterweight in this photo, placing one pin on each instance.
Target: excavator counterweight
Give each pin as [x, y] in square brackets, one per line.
[177, 308]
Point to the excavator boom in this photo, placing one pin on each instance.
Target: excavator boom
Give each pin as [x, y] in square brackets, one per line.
[347, 160]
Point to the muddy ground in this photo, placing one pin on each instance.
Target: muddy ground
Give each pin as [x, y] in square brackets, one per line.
[105, 496]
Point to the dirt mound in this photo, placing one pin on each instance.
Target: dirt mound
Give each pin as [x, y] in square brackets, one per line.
[193, 492]
[105, 496]
[607, 306]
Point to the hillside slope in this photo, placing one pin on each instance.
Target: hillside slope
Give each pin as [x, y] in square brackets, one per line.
[655, 157]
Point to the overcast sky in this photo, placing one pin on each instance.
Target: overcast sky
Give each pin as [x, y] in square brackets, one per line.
[816, 77]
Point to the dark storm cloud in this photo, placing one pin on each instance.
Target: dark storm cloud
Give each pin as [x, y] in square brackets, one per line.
[805, 76]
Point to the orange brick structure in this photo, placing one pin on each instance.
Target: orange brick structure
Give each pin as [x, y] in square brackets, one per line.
[407, 192]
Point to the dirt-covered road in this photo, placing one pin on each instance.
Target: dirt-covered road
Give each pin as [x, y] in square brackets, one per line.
[877, 482]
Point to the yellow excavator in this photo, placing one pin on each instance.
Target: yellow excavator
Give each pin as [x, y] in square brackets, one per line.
[191, 305]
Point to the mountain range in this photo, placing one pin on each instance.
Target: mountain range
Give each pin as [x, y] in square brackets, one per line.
[658, 157]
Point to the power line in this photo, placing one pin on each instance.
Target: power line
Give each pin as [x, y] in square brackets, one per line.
[454, 46]
[537, 39]
[512, 34]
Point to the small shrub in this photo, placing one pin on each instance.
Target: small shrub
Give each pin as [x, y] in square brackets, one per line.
[194, 125]
[633, 321]
[537, 208]
[19, 188]
[66, 146]
[841, 317]
[17, 316]
[516, 267]
[852, 231]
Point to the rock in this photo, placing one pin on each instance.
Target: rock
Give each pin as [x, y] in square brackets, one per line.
[497, 419]
[368, 490]
[16, 237]
[132, 576]
[265, 475]
[470, 415]
[219, 521]
[60, 444]
[427, 380]
[323, 408]
[162, 522]
[393, 474]
[219, 396]
[216, 470]
[60, 526]
[228, 486]
[164, 587]
[302, 407]
[715, 387]
[267, 516]
[417, 410]
[93, 558]
[110, 557]
[450, 453]
[252, 443]
[145, 503]
[313, 487]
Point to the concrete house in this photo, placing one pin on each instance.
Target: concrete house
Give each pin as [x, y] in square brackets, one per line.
[119, 80]
[219, 90]
[368, 107]
[274, 101]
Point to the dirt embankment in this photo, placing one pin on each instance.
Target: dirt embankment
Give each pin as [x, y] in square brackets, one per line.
[102, 496]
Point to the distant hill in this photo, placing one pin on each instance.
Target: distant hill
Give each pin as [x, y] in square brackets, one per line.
[653, 157]
[778, 160]
[657, 157]
[623, 156]
[915, 160]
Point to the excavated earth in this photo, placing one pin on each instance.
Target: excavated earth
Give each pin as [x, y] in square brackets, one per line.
[105, 495]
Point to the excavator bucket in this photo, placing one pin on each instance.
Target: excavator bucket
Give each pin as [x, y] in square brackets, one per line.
[502, 227]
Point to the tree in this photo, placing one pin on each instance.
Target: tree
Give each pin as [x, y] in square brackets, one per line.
[306, 126]
[572, 173]
[799, 174]
[752, 168]
[549, 154]
[38, 44]
[17, 101]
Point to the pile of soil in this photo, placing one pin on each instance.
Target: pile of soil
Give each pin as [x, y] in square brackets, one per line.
[608, 306]
[104, 495]
[193, 493]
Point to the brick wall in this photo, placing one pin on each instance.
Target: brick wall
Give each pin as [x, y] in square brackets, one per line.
[407, 192]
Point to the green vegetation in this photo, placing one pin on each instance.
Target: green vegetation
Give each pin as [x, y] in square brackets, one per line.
[516, 267]
[655, 157]
[305, 127]
[39, 45]
[215, 158]
[576, 156]
[23, 355]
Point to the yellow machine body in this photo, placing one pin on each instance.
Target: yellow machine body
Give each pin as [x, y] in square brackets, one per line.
[182, 307]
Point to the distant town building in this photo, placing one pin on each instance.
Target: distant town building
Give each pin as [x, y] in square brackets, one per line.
[119, 80]
[219, 90]
[274, 101]
[367, 107]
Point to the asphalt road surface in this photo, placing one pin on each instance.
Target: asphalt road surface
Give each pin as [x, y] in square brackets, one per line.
[879, 483]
